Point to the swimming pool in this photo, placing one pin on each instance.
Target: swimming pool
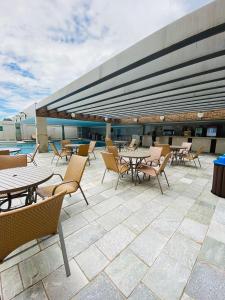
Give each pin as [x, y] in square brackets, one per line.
[28, 147]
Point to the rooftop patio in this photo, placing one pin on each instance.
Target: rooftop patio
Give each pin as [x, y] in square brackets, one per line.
[131, 242]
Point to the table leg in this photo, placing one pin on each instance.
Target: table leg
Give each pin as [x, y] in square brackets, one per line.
[30, 198]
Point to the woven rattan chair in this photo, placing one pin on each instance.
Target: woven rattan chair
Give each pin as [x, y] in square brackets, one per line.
[133, 145]
[83, 151]
[68, 150]
[4, 152]
[8, 162]
[155, 155]
[112, 164]
[91, 148]
[31, 157]
[108, 142]
[165, 148]
[155, 171]
[56, 154]
[193, 156]
[30, 223]
[71, 181]
[115, 152]
[183, 152]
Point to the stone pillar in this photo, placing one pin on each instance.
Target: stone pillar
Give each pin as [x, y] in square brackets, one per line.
[42, 134]
[63, 132]
[108, 131]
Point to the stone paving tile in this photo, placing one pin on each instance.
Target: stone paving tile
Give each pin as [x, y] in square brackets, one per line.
[167, 222]
[213, 252]
[92, 261]
[186, 297]
[82, 239]
[40, 265]
[101, 288]
[143, 217]
[141, 292]
[194, 230]
[58, 286]
[11, 283]
[206, 283]
[36, 292]
[167, 278]
[112, 243]
[217, 231]
[114, 217]
[200, 213]
[219, 214]
[182, 249]
[182, 204]
[90, 215]
[76, 208]
[108, 205]
[126, 271]
[148, 245]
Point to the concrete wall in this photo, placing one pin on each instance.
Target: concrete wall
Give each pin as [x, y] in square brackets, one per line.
[9, 131]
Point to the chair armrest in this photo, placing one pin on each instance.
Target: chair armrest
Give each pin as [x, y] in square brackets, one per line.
[59, 175]
[62, 183]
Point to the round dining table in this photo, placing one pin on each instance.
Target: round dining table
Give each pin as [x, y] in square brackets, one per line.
[135, 157]
[23, 179]
[73, 146]
[120, 144]
[11, 149]
[176, 149]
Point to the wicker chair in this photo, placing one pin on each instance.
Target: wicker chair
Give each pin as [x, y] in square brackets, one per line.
[69, 150]
[4, 152]
[57, 154]
[183, 152]
[155, 155]
[165, 148]
[91, 148]
[133, 145]
[8, 162]
[112, 164]
[115, 152]
[71, 181]
[108, 143]
[29, 223]
[31, 157]
[193, 156]
[83, 151]
[155, 171]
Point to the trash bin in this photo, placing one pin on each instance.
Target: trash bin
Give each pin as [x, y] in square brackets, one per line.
[218, 185]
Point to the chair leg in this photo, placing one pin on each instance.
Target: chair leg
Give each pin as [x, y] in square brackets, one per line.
[57, 160]
[166, 178]
[199, 163]
[117, 181]
[159, 184]
[94, 154]
[103, 175]
[52, 159]
[83, 194]
[34, 162]
[64, 253]
[195, 163]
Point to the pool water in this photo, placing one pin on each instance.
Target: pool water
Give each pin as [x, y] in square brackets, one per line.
[28, 147]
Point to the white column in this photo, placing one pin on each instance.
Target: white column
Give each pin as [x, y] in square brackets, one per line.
[108, 130]
[42, 134]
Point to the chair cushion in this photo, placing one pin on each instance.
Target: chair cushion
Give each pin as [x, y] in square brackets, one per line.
[46, 191]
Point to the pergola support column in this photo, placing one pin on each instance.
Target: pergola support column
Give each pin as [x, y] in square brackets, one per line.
[42, 134]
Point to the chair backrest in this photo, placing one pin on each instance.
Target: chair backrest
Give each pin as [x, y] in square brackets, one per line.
[164, 163]
[16, 161]
[165, 148]
[199, 151]
[155, 152]
[187, 146]
[113, 150]
[110, 161]
[91, 146]
[108, 143]
[4, 152]
[83, 150]
[28, 223]
[75, 168]
[35, 152]
[54, 149]
[132, 143]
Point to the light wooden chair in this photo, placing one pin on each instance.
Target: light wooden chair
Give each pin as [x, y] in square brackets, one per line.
[31, 157]
[112, 164]
[31, 223]
[155, 171]
[83, 151]
[193, 156]
[57, 154]
[4, 152]
[71, 181]
[91, 149]
[8, 162]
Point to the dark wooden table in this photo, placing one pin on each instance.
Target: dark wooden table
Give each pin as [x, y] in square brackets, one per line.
[134, 157]
[25, 178]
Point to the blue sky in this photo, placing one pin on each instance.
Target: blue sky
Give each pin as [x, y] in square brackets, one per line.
[46, 44]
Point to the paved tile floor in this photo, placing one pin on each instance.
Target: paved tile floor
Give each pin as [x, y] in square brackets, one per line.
[132, 243]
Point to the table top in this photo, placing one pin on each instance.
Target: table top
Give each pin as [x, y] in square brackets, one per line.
[120, 142]
[73, 145]
[135, 154]
[12, 180]
[177, 147]
[11, 149]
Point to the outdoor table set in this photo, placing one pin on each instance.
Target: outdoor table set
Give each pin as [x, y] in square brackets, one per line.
[74, 147]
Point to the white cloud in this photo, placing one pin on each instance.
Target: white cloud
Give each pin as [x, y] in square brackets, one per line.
[57, 41]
